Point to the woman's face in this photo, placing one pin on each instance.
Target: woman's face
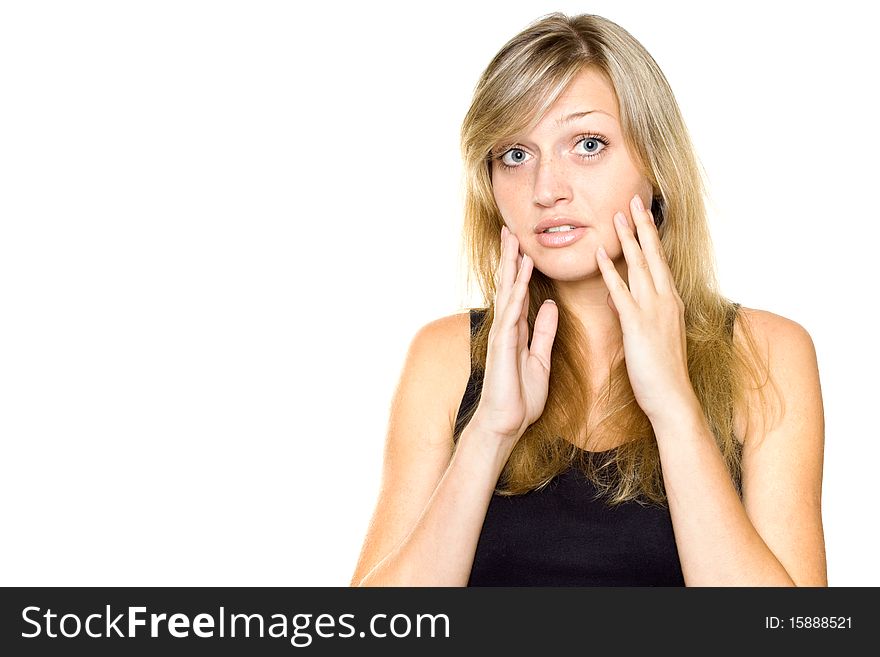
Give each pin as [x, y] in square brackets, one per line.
[574, 169]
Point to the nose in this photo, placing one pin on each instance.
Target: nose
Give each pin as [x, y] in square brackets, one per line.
[551, 185]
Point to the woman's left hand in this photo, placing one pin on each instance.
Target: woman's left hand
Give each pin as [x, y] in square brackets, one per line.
[651, 317]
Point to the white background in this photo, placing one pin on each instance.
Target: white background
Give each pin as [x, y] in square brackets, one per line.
[223, 222]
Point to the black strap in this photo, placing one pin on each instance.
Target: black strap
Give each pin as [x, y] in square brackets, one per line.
[475, 382]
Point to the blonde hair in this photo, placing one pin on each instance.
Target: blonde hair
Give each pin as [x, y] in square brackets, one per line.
[521, 82]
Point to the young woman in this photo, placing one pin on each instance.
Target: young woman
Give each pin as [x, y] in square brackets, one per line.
[609, 418]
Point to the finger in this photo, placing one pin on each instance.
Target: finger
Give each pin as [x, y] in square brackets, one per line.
[546, 323]
[641, 283]
[500, 268]
[620, 294]
[652, 249]
[523, 322]
[503, 274]
[511, 268]
[610, 302]
[500, 259]
[517, 295]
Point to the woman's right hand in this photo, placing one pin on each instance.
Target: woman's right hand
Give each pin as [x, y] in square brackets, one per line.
[517, 377]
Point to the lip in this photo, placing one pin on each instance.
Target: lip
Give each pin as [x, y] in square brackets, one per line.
[544, 224]
[557, 240]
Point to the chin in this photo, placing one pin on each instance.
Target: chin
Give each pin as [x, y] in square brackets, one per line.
[569, 274]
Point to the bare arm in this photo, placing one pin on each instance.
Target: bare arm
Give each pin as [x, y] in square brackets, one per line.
[773, 537]
[439, 551]
[432, 506]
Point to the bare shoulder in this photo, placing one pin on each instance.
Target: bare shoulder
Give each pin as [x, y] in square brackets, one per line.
[786, 350]
[418, 445]
[443, 346]
[772, 330]
[783, 457]
[784, 345]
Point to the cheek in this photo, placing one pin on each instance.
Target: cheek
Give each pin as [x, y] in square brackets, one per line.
[506, 197]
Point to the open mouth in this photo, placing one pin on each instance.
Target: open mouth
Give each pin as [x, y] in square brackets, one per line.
[559, 236]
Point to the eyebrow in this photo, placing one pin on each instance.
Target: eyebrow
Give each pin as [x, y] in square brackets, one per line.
[578, 115]
[569, 119]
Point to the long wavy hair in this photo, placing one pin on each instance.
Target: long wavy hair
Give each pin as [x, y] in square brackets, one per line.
[520, 84]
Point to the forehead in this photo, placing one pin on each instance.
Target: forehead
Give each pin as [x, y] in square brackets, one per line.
[589, 90]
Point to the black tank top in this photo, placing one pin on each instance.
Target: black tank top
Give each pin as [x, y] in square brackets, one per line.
[561, 535]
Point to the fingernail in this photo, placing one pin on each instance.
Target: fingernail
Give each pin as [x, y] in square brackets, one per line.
[621, 220]
[602, 254]
[503, 232]
[638, 201]
[550, 301]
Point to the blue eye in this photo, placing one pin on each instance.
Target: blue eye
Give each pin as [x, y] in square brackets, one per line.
[591, 143]
[518, 155]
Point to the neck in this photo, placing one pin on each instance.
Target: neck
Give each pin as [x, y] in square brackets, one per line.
[587, 299]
